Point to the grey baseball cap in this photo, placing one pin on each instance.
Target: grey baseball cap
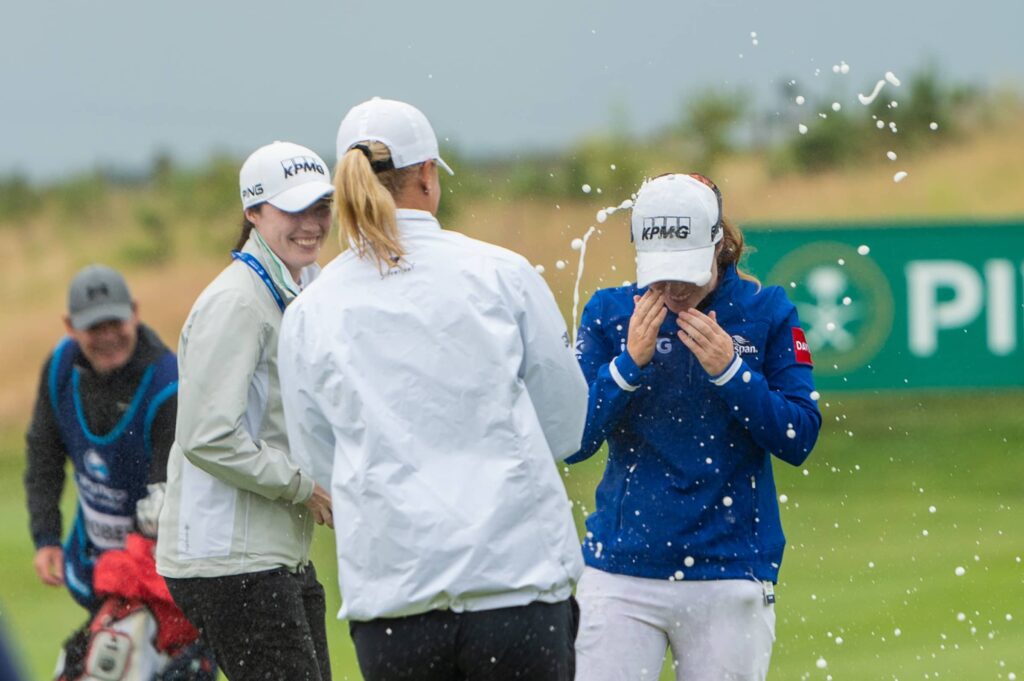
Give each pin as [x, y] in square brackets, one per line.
[98, 294]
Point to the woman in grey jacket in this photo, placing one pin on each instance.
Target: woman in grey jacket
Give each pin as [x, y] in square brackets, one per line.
[238, 517]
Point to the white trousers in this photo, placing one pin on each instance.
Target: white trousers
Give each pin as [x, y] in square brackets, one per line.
[718, 630]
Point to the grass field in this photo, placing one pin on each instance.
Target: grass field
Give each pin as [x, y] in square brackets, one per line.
[869, 582]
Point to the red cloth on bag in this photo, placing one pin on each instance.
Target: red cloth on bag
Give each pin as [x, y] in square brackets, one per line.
[130, 573]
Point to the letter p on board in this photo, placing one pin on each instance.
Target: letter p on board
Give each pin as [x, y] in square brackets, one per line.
[926, 314]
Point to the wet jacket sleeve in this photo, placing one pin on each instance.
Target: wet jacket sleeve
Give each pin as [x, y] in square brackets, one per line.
[225, 343]
[310, 435]
[44, 472]
[612, 377]
[776, 406]
[549, 368]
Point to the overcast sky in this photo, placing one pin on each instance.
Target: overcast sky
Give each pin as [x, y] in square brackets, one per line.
[114, 81]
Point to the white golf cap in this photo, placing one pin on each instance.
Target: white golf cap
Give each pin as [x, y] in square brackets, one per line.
[285, 175]
[677, 220]
[400, 127]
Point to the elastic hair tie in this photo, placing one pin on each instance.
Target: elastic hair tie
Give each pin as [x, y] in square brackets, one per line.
[376, 166]
[365, 149]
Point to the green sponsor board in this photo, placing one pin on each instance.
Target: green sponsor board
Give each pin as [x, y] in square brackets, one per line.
[907, 306]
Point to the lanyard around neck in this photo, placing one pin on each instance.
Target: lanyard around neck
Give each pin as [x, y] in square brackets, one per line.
[258, 268]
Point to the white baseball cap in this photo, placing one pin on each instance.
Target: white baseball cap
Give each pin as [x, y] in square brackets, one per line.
[676, 223]
[285, 175]
[401, 127]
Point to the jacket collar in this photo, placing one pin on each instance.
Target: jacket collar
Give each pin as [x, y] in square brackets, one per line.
[412, 219]
[727, 279]
[279, 274]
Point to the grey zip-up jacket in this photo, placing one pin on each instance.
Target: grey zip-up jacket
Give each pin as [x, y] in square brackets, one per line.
[235, 496]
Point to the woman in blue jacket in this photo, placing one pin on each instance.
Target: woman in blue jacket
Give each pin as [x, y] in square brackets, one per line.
[697, 376]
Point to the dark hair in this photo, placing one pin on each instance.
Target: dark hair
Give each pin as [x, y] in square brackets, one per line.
[733, 249]
[247, 227]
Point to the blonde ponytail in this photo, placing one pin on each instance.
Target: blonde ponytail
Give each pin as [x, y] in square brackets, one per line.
[365, 203]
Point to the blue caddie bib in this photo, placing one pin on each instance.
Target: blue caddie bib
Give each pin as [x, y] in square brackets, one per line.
[110, 469]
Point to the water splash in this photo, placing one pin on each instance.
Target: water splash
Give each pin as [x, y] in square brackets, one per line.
[579, 276]
[602, 215]
[868, 98]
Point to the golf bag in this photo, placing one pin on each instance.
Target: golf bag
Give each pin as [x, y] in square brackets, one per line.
[138, 634]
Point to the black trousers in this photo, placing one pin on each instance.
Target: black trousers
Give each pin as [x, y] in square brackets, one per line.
[262, 626]
[535, 642]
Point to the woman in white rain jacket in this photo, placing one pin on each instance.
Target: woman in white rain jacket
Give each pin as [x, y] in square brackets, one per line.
[428, 381]
[239, 512]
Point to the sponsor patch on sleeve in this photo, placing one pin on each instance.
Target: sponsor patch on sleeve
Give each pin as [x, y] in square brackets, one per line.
[800, 349]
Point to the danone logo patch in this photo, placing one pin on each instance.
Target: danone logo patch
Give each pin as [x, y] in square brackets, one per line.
[800, 347]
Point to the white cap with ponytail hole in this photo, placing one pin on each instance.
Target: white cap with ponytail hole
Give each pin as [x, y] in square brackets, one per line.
[401, 127]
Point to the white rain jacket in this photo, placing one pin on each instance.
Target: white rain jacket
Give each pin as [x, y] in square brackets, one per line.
[234, 494]
[433, 401]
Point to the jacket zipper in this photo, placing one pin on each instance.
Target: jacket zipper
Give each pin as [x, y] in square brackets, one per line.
[753, 516]
[625, 493]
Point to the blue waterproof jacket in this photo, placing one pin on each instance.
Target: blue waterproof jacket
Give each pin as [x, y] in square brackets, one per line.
[688, 491]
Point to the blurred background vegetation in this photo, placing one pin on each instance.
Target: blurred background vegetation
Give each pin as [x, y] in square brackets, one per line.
[868, 584]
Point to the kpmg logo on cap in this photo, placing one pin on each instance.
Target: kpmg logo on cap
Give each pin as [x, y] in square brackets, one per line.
[665, 227]
[302, 164]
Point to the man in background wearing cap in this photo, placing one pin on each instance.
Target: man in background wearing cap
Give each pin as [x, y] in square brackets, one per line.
[106, 401]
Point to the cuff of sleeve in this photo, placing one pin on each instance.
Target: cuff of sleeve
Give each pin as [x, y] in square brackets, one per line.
[44, 541]
[300, 489]
[625, 372]
[727, 375]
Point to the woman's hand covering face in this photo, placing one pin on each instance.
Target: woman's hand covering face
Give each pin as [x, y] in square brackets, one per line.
[647, 317]
[708, 341]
